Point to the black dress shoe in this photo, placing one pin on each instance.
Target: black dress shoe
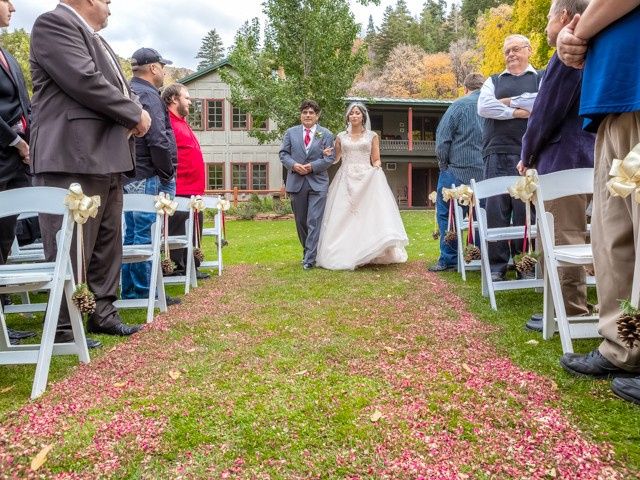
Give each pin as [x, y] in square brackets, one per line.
[91, 343]
[307, 266]
[202, 275]
[14, 341]
[441, 268]
[534, 323]
[19, 335]
[173, 301]
[525, 275]
[592, 365]
[120, 329]
[627, 388]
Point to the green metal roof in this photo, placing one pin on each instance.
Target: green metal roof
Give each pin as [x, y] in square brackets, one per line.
[204, 71]
[425, 102]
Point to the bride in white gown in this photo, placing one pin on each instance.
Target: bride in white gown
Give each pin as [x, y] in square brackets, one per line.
[361, 221]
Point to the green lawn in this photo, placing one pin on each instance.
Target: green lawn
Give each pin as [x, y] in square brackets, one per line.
[273, 372]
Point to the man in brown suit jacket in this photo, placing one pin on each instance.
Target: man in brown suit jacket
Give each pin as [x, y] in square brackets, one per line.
[83, 117]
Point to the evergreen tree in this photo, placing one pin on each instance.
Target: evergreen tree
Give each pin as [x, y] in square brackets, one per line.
[371, 31]
[398, 27]
[472, 8]
[211, 51]
[17, 43]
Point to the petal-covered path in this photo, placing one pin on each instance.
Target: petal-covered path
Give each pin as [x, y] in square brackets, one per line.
[271, 372]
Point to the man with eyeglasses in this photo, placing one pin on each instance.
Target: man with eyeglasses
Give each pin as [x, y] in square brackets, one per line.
[505, 102]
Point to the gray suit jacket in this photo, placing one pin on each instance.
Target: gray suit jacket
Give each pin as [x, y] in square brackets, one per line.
[80, 115]
[292, 151]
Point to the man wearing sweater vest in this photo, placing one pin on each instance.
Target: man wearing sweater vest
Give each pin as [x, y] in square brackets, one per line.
[505, 102]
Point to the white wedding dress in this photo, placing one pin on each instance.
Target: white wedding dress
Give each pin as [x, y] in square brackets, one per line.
[361, 221]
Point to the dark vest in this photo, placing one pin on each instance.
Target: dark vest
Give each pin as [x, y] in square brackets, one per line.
[505, 136]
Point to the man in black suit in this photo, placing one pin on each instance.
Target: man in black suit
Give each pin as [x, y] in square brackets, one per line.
[14, 138]
[84, 117]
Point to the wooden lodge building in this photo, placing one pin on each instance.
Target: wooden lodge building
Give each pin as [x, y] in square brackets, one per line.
[238, 164]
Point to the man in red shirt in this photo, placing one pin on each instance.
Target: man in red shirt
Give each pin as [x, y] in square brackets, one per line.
[190, 177]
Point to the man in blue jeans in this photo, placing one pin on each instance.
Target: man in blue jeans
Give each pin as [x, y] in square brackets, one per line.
[155, 158]
[459, 152]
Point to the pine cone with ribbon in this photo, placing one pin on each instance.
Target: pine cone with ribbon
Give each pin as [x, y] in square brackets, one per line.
[198, 255]
[436, 234]
[451, 237]
[84, 299]
[168, 266]
[526, 262]
[471, 252]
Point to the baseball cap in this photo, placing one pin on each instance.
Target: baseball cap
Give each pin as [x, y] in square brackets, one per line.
[145, 56]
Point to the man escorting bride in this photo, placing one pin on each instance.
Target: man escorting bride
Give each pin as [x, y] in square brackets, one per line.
[361, 222]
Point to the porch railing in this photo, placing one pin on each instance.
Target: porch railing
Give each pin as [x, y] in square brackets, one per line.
[420, 146]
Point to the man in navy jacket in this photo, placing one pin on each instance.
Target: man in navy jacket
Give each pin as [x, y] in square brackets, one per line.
[555, 141]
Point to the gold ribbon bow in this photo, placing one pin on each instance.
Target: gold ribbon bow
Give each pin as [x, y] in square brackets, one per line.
[433, 196]
[81, 206]
[449, 194]
[164, 205]
[525, 188]
[224, 205]
[626, 175]
[197, 203]
[464, 194]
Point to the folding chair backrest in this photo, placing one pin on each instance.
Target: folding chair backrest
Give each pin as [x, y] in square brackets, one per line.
[30, 200]
[138, 202]
[578, 181]
[492, 186]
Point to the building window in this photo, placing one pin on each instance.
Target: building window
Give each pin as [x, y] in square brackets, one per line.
[239, 175]
[215, 176]
[259, 176]
[215, 114]
[239, 119]
[195, 114]
[260, 125]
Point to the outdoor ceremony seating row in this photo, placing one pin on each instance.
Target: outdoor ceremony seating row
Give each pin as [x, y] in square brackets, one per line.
[217, 231]
[34, 275]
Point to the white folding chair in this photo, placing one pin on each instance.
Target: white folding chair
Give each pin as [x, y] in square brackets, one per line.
[551, 187]
[135, 202]
[462, 225]
[56, 277]
[184, 241]
[211, 202]
[485, 189]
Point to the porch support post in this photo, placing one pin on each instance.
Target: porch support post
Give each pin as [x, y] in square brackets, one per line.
[410, 129]
[409, 185]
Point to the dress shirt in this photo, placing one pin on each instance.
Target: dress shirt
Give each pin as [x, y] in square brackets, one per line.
[311, 134]
[490, 107]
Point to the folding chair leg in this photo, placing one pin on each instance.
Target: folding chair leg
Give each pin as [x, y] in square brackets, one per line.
[561, 313]
[220, 255]
[46, 345]
[548, 312]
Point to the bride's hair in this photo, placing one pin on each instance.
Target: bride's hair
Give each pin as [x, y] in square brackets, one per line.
[365, 115]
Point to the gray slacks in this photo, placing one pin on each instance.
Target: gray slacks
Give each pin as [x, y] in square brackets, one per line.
[308, 210]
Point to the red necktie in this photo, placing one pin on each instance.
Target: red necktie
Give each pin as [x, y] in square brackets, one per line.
[307, 137]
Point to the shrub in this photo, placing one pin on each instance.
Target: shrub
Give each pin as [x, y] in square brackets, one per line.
[245, 211]
[282, 207]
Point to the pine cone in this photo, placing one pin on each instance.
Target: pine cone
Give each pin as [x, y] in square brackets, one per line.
[451, 237]
[198, 255]
[84, 299]
[471, 252]
[629, 329]
[526, 263]
[168, 266]
[224, 242]
[436, 234]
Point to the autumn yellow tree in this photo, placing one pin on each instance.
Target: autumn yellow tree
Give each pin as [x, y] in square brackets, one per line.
[439, 79]
[492, 28]
[530, 19]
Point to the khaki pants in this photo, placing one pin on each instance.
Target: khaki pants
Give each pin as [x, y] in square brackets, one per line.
[570, 227]
[614, 227]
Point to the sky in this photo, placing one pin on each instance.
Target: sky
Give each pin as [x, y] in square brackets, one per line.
[176, 30]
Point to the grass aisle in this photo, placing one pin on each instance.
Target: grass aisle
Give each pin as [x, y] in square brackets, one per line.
[273, 372]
